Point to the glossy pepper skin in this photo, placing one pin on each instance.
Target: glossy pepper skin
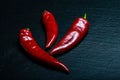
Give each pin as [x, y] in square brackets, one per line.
[50, 27]
[75, 34]
[29, 44]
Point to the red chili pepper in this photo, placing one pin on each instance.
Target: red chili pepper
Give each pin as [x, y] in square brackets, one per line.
[74, 35]
[29, 44]
[50, 27]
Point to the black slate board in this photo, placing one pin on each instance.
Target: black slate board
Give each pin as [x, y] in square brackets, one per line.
[97, 57]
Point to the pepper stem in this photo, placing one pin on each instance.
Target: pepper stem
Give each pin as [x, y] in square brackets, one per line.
[45, 10]
[85, 16]
[28, 28]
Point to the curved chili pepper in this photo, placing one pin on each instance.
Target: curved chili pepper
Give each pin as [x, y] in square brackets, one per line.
[74, 35]
[29, 44]
[50, 27]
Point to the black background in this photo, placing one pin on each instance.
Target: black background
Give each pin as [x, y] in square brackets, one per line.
[97, 57]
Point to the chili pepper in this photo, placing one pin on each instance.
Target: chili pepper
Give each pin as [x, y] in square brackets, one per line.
[29, 44]
[74, 35]
[50, 27]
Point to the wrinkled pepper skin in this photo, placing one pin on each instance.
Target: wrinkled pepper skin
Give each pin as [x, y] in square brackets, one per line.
[51, 28]
[75, 34]
[32, 48]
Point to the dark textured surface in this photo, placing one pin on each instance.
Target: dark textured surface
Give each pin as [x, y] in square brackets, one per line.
[97, 57]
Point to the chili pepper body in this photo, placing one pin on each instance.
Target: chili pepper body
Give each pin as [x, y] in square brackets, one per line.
[74, 35]
[29, 44]
[50, 27]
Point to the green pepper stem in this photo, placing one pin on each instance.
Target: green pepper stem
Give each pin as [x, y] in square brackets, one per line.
[28, 28]
[85, 16]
